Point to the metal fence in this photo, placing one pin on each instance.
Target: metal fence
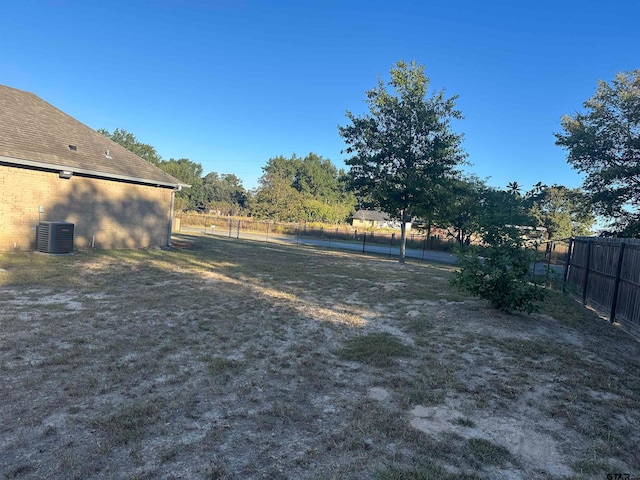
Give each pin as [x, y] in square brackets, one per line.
[552, 262]
[606, 273]
[266, 230]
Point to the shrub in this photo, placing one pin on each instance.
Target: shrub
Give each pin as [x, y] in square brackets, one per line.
[500, 271]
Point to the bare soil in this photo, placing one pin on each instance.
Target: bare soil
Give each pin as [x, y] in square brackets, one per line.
[227, 359]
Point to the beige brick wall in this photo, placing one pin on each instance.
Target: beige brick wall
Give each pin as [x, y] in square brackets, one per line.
[106, 213]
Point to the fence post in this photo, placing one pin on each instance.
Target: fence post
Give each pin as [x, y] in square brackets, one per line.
[567, 265]
[297, 234]
[267, 237]
[364, 241]
[393, 237]
[585, 277]
[238, 232]
[614, 302]
[424, 246]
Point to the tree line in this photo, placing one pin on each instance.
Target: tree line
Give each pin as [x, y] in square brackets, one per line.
[405, 159]
[291, 189]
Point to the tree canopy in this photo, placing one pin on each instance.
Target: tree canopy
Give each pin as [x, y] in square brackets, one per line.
[404, 148]
[564, 212]
[309, 188]
[190, 172]
[603, 142]
[224, 193]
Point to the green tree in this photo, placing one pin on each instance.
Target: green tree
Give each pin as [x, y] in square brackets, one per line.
[499, 271]
[131, 143]
[190, 173]
[564, 212]
[473, 209]
[318, 177]
[404, 148]
[309, 188]
[603, 142]
[275, 198]
[224, 193]
[464, 211]
[504, 207]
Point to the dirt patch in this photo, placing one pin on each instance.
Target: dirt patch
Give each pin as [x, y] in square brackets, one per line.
[228, 361]
[534, 449]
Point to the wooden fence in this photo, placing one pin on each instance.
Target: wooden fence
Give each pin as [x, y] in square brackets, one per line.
[606, 273]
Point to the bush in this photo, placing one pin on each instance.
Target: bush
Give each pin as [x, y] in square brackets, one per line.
[500, 272]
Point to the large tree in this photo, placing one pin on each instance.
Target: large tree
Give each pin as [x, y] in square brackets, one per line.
[224, 193]
[463, 211]
[309, 188]
[603, 142]
[190, 173]
[564, 212]
[276, 199]
[404, 148]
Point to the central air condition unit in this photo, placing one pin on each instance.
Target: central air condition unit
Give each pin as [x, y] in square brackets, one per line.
[54, 237]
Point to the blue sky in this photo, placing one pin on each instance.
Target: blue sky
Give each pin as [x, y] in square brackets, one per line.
[230, 84]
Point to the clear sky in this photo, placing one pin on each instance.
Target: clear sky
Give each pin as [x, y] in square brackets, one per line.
[232, 83]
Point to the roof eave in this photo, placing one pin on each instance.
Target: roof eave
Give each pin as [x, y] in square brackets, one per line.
[94, 173]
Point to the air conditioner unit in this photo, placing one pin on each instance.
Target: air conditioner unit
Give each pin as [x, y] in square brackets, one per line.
[54, 237]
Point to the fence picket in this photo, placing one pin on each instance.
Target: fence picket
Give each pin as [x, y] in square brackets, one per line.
[607, 271]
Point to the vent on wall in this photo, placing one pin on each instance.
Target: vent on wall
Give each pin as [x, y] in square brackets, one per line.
[54, 237]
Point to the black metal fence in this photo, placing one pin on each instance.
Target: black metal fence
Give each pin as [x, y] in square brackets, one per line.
[261, 229]
[552, 262]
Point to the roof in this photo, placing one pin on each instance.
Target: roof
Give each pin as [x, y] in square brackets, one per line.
[371, 215]
[34, 133]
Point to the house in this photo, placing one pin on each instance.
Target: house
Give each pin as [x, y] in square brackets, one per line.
[54, 168]
[374, 219]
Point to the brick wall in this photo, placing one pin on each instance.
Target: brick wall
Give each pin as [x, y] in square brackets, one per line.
[106, 213]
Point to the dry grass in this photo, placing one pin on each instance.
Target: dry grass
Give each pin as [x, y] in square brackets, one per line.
[229, 359]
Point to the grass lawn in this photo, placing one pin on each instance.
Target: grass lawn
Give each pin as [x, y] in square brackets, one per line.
[225, 359]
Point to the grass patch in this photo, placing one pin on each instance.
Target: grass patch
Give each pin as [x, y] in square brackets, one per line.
[221, 367]
[419, 326]
[128, 424]
[20, 471]
[464, 422]
[375, 349]
[487, 453]
[29, 268]
[422, 472]
[566, 310]
[428, 386]
[592, 467]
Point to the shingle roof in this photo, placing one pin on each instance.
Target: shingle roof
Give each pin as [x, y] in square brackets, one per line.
[371, 215]
[35, 133]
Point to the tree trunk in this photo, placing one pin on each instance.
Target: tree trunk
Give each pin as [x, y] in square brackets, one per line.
[403, 236]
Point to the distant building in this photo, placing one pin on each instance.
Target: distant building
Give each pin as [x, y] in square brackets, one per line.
[373, 219]
[54, 168]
